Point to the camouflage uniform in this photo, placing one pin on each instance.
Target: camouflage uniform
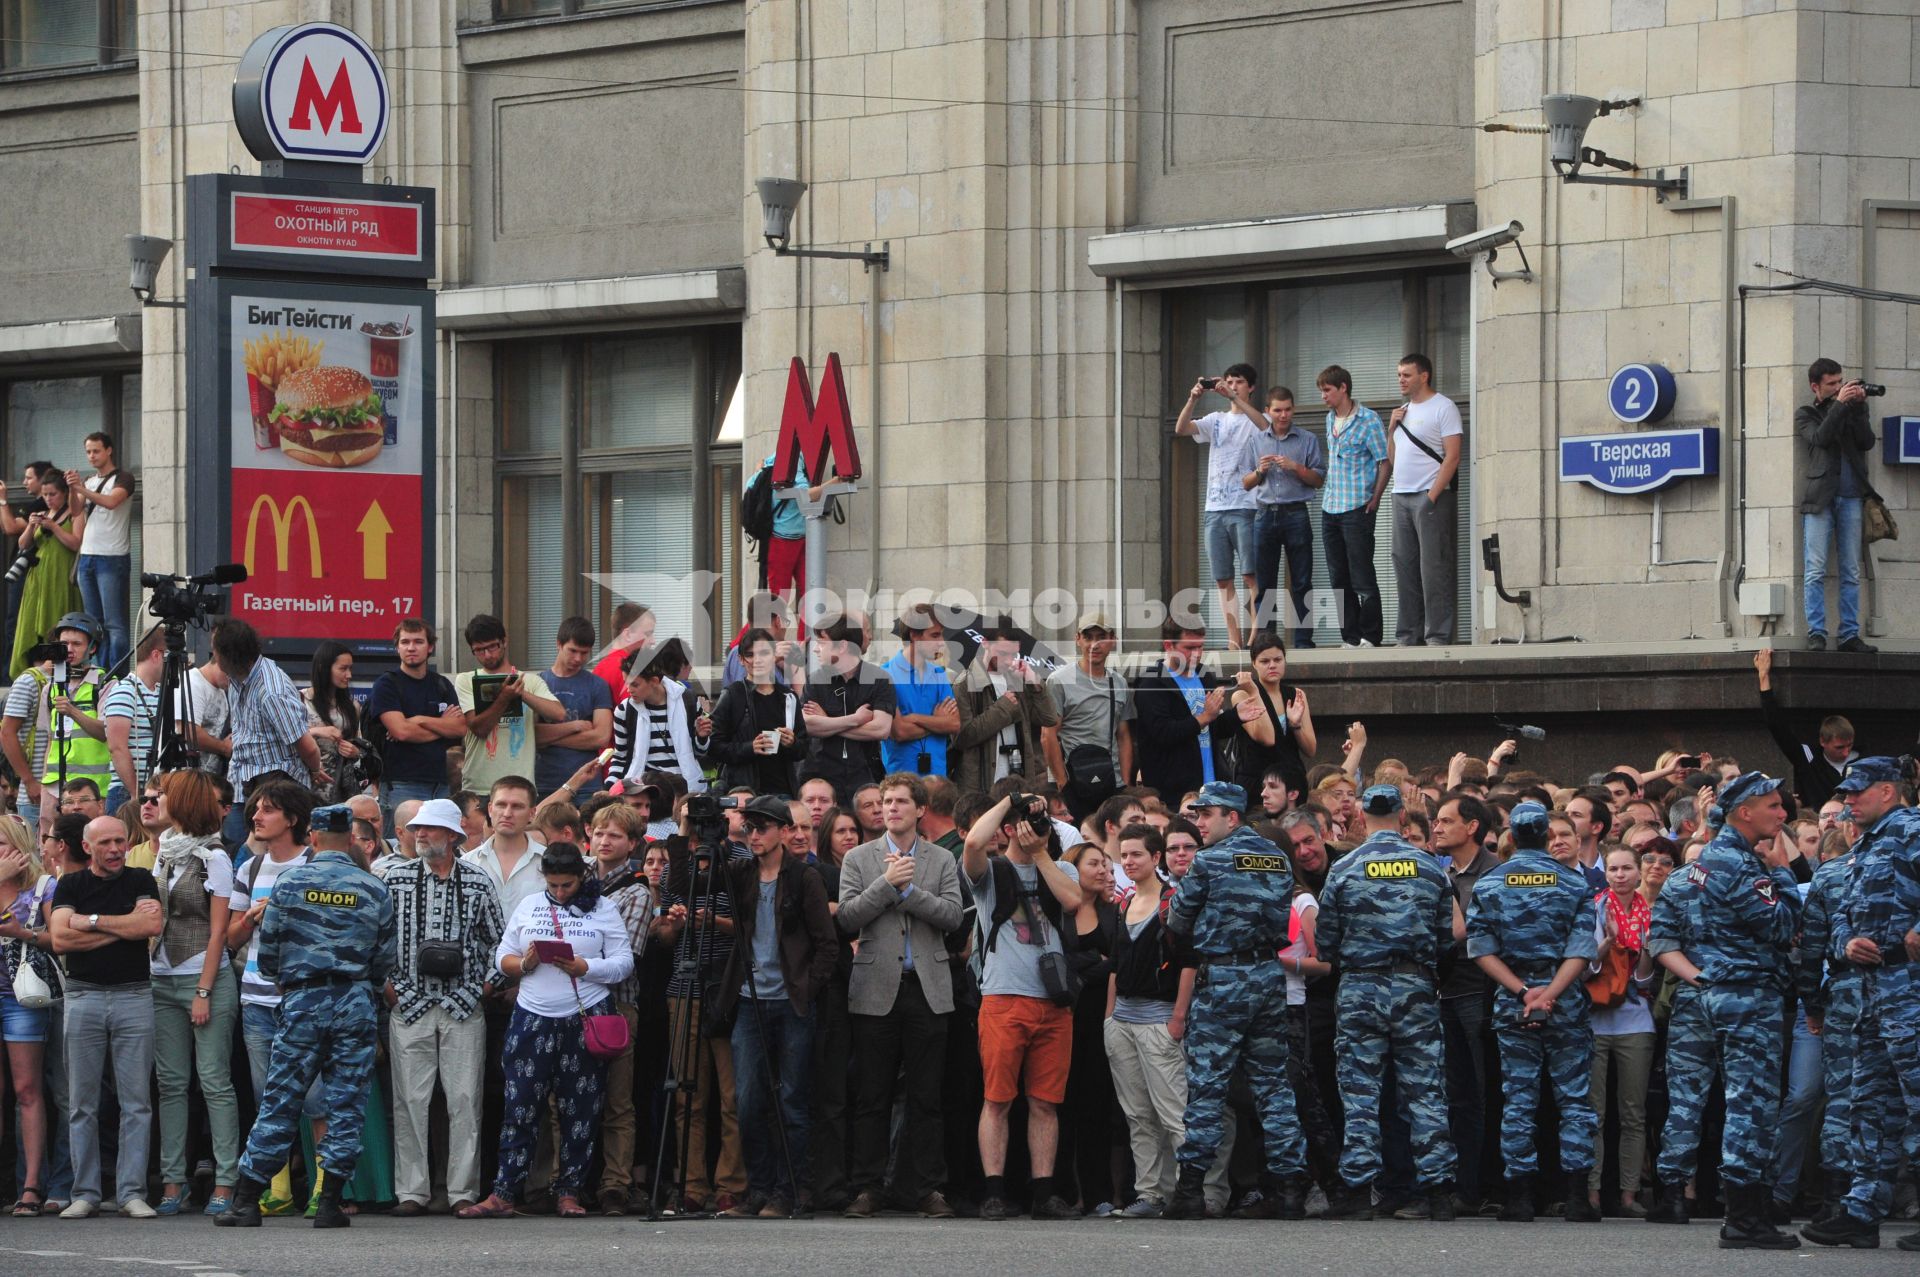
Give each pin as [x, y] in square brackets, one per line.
[1882, 904]
[1386, 916]
[1835, 998]
[328, 940]
[1534, 914]
[1691, 1055]
[1747, 915]
[1234, 904]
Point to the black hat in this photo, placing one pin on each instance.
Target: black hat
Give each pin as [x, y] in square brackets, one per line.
[770, 809]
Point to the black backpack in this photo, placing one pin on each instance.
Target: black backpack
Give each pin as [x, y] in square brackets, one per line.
[756, 510]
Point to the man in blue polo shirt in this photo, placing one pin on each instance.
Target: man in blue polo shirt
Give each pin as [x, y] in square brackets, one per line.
[926, 715]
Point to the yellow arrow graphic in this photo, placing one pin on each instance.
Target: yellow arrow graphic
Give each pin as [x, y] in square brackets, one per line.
[374, 531]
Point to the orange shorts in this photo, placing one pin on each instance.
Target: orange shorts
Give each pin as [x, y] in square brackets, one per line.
[1025, 1039]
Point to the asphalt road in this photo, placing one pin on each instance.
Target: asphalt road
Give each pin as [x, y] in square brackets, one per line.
[378, 1247]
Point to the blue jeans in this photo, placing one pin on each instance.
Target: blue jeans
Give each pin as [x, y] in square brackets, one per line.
[1229, 533]
[788, 1046]
[1805, 1079]
[103, 593]
[393, 793]
[258, 1025]
[1839, 522]
[1285, 529]
[1349, 542]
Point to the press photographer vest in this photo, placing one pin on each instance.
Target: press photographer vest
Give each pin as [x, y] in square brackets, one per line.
[84, 757]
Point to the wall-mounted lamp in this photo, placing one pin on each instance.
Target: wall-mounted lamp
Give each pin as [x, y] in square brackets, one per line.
[779, 196]
[1568, 115]
[145, 253]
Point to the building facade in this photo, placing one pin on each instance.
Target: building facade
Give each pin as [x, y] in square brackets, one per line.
[1085, 206]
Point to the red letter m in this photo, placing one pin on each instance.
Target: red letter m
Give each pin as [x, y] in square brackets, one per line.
[337, 100]
[822, 438]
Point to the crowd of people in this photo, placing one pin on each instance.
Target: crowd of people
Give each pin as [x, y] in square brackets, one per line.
[973, 932]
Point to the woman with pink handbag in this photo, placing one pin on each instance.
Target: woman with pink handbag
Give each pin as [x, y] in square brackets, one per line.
[568, 948]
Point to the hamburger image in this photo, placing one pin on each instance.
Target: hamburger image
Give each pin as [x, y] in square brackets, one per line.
[328, 416]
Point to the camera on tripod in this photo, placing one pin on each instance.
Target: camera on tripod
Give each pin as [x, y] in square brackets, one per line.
[707, 820]
[190, 600]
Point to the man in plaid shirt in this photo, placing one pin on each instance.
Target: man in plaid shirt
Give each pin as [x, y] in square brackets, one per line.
[1356, 476]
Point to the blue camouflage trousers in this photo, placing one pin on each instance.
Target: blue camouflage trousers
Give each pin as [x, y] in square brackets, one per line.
[1749, 1021]
[1886, 1085]
[1240, 1017]
[548, 1055]
[1560, 1052]
[1691, 1061]
[1837, 1037]
[329, 1031]
[1392, 1019]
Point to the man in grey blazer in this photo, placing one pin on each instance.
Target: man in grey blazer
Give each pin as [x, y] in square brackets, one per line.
[900, 894]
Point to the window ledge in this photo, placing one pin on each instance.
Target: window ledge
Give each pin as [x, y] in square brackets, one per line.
[584, 301]
[1185, 250]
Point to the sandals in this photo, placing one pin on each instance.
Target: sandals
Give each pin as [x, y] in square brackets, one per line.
[570, 1208]
[23, 1208]
[494, 1207]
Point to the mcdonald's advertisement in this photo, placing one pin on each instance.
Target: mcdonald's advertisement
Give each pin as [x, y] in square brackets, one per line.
[327, 420]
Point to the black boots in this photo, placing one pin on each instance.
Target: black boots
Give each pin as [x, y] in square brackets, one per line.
[328, 1214]
[1746, 1226]
[1842, 1229]
[1580, 1207]
[245, 1211]
[1189, 1196]
[1280, 1198]
[1672, 1207]
[1353, 1202]
[1519, 1207]
[1839, 1184]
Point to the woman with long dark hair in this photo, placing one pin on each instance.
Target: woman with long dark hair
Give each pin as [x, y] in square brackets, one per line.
[837, 834]
[332, 714]
[1275, 727]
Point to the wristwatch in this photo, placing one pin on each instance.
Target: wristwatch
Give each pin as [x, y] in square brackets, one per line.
[203, 993]
[93, 922]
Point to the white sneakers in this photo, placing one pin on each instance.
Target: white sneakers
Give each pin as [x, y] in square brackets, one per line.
[137, 1208]
[81, 1209]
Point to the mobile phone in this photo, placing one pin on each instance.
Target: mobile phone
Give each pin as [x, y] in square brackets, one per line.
[1536, 1017]
[1690, 762]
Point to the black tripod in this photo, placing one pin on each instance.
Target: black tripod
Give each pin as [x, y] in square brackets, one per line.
[683, 1050]
[171, 748]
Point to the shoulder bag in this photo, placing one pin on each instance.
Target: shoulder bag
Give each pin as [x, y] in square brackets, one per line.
[29, 990]
[1876, 523]
[1090, 768]
[606, 1035]
[1608, 989]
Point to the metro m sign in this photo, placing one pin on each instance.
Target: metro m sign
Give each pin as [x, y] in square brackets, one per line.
[311, 92]
[819, 435]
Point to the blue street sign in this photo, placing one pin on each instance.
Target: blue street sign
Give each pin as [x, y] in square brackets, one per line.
[1640, 393]
[1628, 464]
[1900, 440]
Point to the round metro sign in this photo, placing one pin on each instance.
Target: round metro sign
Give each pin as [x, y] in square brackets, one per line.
[312, 92]
[1640, 393]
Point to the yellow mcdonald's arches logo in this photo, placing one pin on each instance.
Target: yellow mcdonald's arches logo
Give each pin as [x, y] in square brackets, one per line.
[282, 520]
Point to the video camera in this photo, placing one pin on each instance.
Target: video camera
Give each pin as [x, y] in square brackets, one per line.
[190, 600]
[707, 820]
[55, 652]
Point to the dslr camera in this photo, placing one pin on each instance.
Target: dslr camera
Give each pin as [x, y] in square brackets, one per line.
[1030, 810]
[1873, 389]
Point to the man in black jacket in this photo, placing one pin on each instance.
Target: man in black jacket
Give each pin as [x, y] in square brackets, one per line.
[1832, 436]
[1178, 707]
[1818, 767]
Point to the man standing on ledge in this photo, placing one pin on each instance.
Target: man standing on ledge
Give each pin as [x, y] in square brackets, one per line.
[1423, 447]
[328, 940]
[1833, 436]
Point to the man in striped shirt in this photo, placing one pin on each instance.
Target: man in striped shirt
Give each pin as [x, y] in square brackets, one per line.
[131, 713]
[268, 718]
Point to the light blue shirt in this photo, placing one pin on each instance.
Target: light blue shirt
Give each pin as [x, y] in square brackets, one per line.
[788, 523]
[1196, 693]
[906, 936]
[916, 691]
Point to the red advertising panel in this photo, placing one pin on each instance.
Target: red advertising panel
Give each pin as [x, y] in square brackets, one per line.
[322, 226]
[329, 554]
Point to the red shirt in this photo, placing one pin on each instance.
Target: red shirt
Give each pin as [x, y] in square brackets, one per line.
[612, 675]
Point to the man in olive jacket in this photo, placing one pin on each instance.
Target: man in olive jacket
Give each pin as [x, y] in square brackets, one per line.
[1003, 702]
[900, 894]
[1833, 437]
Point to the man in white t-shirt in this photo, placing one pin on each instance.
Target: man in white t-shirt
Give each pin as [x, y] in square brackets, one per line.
[1423, 447]
[1232, 439]
[105, 501]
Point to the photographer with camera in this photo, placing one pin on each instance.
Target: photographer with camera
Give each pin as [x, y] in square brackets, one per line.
[13, 521]
[1833, 437]
[1027, 991]
[61, 696]
[43, 569]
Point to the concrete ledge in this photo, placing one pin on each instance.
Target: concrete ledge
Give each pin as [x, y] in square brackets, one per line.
[70, 339]
[1179, 250]
[581, 301]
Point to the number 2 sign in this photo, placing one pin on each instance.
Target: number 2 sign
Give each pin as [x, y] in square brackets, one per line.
[1641, 393]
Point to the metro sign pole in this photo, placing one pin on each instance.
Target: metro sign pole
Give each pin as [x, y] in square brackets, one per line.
[820, 436]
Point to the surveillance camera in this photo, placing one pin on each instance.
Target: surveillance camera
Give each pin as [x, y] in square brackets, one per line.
[778, 198]
[1568, 115]
[1485, 241]
[144, 255]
